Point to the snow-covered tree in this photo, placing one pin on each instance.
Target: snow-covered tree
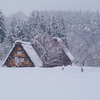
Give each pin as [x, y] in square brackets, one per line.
[45, 41]
[2, 27]
[12, 33]
[42, 25]
[49, 50]
[54, 26]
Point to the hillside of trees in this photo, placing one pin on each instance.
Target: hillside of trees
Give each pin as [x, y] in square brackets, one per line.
[80, 31]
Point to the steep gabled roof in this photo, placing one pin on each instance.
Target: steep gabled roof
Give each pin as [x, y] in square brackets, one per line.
[67, 52]
[30, 52]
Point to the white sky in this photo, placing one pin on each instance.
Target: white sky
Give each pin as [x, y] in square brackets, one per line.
[27, 6]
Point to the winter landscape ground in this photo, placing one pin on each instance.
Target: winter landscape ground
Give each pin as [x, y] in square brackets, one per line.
[50, 83]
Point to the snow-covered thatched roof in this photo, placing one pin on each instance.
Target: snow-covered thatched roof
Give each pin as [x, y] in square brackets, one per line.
[64, 47]
[30, 52]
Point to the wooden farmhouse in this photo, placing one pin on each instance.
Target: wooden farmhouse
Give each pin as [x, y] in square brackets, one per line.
[60, 55]
[57, 53]
[22, 54]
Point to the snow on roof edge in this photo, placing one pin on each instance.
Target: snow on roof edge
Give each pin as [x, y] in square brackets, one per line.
[68, 54]
[8, 55]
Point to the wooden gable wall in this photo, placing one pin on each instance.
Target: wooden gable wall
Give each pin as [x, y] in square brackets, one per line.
[19, 58]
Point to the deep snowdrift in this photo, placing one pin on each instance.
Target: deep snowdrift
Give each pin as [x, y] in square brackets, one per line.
[50, 83]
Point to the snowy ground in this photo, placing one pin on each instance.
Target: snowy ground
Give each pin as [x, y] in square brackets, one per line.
[50, 83]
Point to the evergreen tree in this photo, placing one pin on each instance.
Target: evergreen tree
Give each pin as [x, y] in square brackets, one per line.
[54, 26]
[27, 32]
[12, 34]
[48, 26]
[31, 22]
[42, 25]
[19, 32]
[2, 27]
[62, 32]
